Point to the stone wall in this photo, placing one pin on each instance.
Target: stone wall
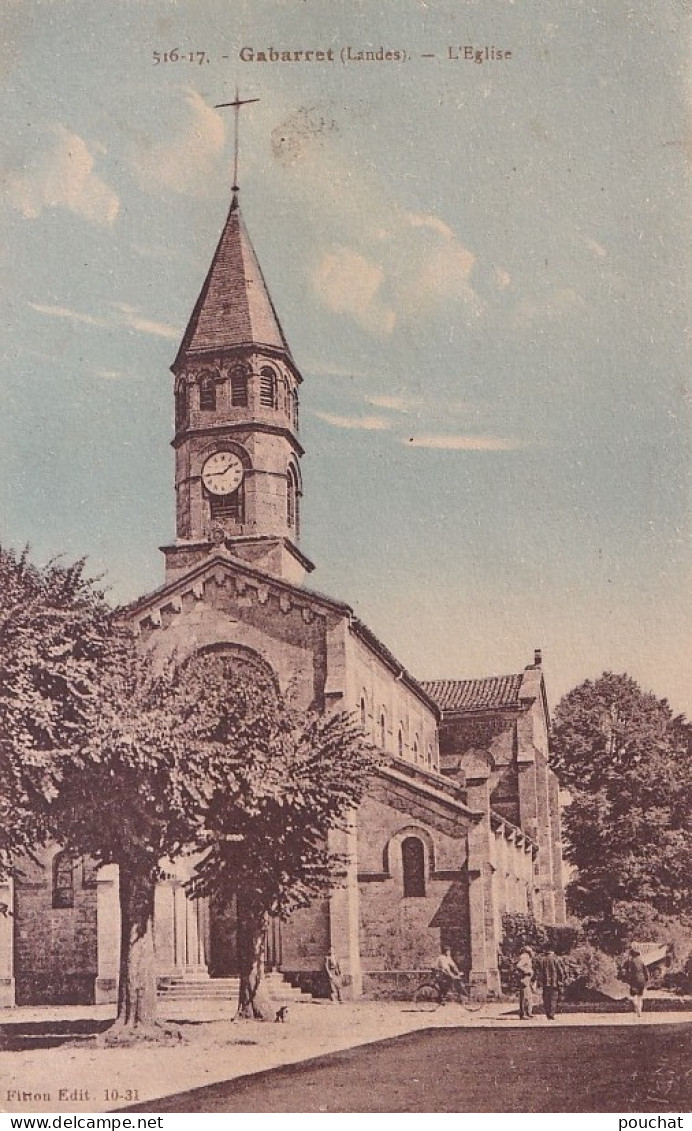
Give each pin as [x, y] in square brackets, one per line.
[55, 948]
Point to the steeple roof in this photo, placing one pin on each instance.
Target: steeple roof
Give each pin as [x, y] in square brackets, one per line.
[234, 308]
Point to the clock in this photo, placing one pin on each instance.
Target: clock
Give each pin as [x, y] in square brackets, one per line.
[222, 473]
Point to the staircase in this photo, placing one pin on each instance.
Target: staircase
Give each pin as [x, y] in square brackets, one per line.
[200, 988]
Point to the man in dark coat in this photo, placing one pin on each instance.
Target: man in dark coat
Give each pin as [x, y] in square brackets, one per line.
[637, 977]
[552, 979]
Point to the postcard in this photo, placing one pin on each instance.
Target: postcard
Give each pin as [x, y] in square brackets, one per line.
[345, 344]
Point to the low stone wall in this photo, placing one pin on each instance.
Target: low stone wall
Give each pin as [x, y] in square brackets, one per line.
[392, 985]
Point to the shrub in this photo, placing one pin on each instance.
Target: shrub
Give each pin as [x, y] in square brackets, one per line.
[589, 972]
[520, 931]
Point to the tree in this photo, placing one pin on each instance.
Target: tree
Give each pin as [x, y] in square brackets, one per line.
[55, 630]
[133, 796]
[280, 782]
[624, 758]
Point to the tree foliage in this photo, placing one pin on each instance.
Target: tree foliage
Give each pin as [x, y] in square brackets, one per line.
[280, 782]
[134, 795]
[624, 758]
[55, 630]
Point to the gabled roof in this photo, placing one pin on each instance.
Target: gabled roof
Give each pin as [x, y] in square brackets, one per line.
[158, 598]
[234, 308]
[475, 694]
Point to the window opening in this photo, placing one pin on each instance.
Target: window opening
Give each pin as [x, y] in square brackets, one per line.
[413, 866]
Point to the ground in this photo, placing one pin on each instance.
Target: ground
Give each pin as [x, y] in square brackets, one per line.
[329, 1057]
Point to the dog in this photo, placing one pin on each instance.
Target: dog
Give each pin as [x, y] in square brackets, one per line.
[282, 1014]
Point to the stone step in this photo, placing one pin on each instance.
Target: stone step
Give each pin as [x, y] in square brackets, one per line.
[215, 989]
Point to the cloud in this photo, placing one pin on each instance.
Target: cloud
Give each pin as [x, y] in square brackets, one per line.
[347, 283]
[367, 423]
[61, 175]
[187, 160]
[594, 246]
[420, 262]
[416, 220]
[124, 317]
[444, 273]
[396, 403]
[72, 315]
[112, 374]
[465, 443]
[146, 326]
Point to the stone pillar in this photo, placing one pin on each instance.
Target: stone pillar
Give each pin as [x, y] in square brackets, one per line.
[556, 834]
[545, 842]
[344, 913]
[178, 926]
[485, 976]
[107, 934]
[7, 997]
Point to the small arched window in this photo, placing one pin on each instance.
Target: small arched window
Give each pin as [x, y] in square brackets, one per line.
[400, 744]
[415, 748]
[207, 393]
[180, 406]
[413, 866]
[268, 388]
[239, 388]
[63, 880]
[295, 408]
[363, 713]
[291, 499]
[430, 755]
[383, 730]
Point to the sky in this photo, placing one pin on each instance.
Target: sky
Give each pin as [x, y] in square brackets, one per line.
[480, 268]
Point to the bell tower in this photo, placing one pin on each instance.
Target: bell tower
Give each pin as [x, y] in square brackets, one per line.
[237, 452]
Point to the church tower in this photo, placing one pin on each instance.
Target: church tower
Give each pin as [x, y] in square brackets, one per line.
[237, 452]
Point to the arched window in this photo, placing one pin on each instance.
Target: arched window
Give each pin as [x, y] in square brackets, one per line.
[430, 755]
[383, 730]
[400, 744]
[413, 866]
[207, 393]
[63, 880]
[415, 748]
[363, 714]
[239, 388]
[180, 406]
[295, 408]
[291, 498]
[268, 388]
[229, 506]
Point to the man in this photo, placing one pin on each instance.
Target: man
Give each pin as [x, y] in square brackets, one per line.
[446, 971]
[552, 975]
[637, 977]
[525, 972]
[333, 971]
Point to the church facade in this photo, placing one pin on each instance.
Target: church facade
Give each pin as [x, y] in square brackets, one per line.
[461, 821]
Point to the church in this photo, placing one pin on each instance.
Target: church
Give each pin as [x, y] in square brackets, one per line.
[461, 822]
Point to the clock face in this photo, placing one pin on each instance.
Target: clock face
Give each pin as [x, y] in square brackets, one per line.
[222, 473]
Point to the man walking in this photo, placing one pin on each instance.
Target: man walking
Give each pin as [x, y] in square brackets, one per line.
[526, 975]
[637, 977]
[552, 976]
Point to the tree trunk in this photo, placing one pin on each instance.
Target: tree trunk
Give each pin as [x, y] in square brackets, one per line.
[254, 1002]
[137, 987]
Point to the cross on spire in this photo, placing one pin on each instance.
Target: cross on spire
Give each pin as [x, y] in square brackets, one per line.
[236, 104]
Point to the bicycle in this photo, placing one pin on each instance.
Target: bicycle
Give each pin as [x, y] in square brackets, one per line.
[433, 992]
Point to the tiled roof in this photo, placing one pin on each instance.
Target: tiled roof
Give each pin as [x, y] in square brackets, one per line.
[234, 308]
[474, 694]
